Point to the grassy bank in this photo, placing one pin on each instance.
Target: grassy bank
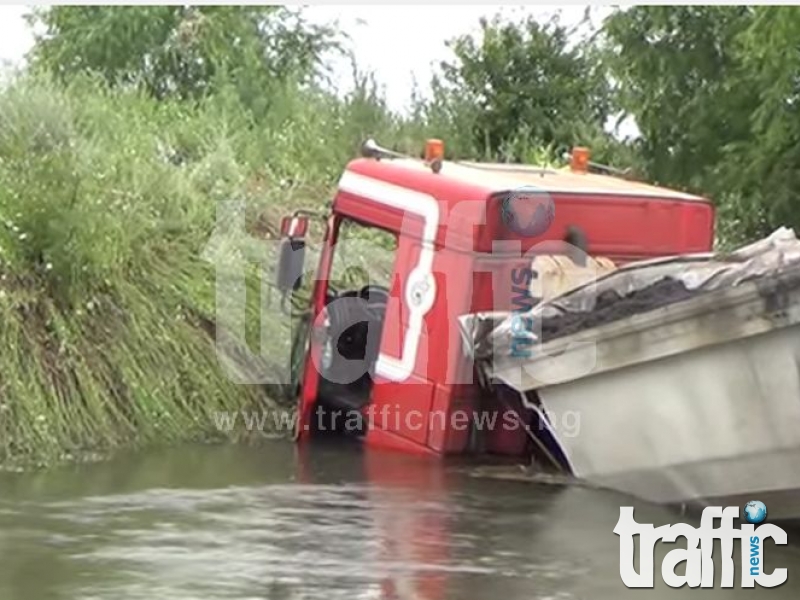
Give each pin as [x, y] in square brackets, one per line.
[107, 199]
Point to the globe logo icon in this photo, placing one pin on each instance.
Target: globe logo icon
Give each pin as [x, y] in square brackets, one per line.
[528, 212]
[755, 512]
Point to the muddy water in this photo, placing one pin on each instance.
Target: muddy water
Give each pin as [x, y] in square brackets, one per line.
[269, 523]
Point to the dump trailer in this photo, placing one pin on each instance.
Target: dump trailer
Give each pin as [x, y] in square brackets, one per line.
[685, 373]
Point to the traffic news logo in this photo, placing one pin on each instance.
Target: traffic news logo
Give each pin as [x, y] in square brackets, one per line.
[697, 555]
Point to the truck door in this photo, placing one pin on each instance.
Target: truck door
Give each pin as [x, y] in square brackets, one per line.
[346, 331]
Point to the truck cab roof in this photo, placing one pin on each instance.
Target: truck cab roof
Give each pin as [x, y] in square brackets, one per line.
[501, 177]
[621, 218]
[561, 180]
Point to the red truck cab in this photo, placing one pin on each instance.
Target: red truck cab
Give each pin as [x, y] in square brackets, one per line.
[386, 355]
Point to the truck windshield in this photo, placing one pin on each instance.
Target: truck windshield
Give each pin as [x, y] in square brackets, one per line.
[364, 256]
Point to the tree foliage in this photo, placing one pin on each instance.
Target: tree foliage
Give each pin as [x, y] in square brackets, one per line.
[714, 92]
[181, 51]
[677, 72]
[520, 85]
[764, 168]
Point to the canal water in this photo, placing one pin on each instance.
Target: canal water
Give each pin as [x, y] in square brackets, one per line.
[272, 522]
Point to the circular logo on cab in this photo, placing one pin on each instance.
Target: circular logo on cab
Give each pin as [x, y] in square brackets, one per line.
[528, 211]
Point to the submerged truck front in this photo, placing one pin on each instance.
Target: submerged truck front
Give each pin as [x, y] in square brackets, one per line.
[412, 245]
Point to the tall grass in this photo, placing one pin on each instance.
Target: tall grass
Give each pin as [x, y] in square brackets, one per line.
[107, 199]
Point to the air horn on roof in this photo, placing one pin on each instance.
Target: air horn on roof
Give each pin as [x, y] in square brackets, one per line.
[434, 153]
[371, 149]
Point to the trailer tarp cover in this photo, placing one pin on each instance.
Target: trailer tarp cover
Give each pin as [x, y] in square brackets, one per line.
[632, 289]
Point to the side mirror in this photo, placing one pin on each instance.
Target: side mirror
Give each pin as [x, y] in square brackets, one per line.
[291, 258]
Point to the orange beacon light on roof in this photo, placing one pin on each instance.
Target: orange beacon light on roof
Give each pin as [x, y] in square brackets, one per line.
[434, 149]
[579, 161]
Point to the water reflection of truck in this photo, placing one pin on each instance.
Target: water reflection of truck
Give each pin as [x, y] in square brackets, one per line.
[386, 356]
